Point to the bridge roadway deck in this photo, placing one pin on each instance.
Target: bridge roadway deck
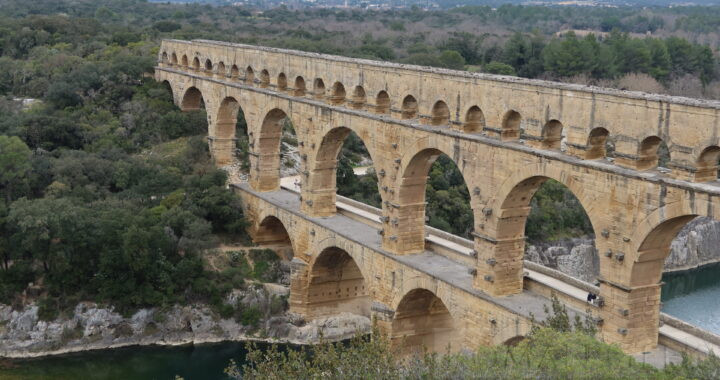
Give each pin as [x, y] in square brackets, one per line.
[432, 264]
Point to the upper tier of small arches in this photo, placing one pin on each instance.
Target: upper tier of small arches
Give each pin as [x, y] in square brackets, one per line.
[651, 151]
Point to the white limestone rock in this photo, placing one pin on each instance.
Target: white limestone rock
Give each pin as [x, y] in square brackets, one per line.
[582, 262]
[332, 328]
[697, 244]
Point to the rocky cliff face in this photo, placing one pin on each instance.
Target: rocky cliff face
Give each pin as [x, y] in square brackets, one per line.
[23, 334]
[575, 257]
[697, 244]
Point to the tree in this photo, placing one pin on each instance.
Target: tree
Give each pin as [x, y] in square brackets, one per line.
[14, 165]
[452, 60]
[500, 68]
[659, 59]
[467, 44]
[568, 56]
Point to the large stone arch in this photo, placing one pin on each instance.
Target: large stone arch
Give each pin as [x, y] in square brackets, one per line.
[173, 91]
[265, 147]
[706, 164]
[223, 131]
[649, 243]
[334, 283]
[405, 232]
[500, 243]
[321, 188]
[192, 99]
[424, 320]
[272, 231]
[544, 172]
[630, 281]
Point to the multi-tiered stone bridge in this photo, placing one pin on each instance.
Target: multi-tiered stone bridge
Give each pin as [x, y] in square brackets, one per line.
[506, 135]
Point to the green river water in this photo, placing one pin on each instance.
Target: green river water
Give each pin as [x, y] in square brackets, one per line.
[201, 362]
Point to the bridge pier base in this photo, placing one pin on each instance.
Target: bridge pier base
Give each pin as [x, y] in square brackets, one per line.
[382, 317]
[631, 316]
[298, 287]
[319, 203]
[404, 229]
[264, 172]
[320, 189]
[500, 265]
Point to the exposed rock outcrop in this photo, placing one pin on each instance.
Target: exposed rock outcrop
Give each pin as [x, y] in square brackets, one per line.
[697, 244]
[91, 326]
[575, 257]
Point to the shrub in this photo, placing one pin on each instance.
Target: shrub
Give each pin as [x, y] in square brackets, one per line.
[251, 317]
[48, 309]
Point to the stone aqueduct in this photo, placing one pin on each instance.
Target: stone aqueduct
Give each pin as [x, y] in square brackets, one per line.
[506, 135]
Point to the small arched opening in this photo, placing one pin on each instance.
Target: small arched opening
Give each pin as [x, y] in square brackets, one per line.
[382, 103]
[221, 69]
[440, 114]
[264, 78]
[249, 76]
[474, 120]
[164, 57]
[208, 66]
[336, 285]
[652, 153]
[234, 72]
[174, 59]
[552, 135]
[196, 64]
[282, 82]
[337, 94]
[423, 323]
[318, 88]
[271, 233]
[511, 126]
[409, 107]
[597, 145]
[185, 61]
[707, 164]
[358, 98]
[299, 87]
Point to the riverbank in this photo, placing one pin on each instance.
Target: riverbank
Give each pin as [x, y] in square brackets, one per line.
[93, 327]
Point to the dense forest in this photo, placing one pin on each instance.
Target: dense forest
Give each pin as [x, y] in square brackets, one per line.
[107, 189]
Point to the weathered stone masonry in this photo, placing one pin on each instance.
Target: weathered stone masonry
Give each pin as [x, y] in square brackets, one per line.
[505, 136]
